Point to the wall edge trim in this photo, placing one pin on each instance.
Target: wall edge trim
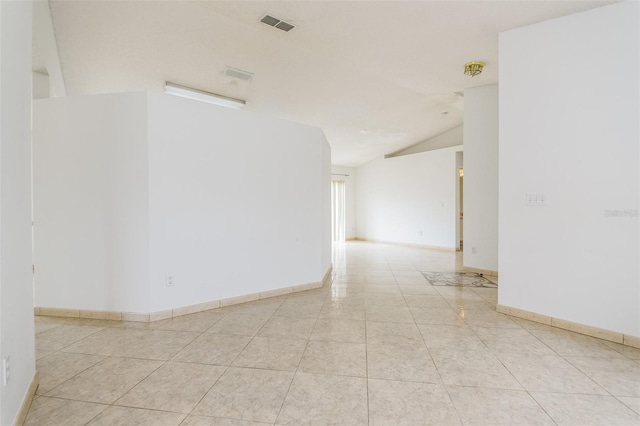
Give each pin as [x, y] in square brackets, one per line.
[182, 310]
[28, 398]
[588, 330]
[423, 246]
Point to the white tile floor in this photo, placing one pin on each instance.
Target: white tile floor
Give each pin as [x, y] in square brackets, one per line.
[380, 346]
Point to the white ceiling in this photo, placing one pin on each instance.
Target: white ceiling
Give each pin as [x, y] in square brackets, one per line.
[375, 76]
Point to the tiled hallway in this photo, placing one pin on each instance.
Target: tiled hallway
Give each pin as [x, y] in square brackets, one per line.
[380, 346]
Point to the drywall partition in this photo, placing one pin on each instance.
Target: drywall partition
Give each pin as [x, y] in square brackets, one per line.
[409, 199]
[237, 203]
[481, 178]
[146, 202]
[569, 183]
[16, 290]
[350, 177]
[90, 202]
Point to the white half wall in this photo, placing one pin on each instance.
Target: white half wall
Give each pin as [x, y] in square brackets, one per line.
[131, 189]
[16, 289]
[351, 197]
[91, 228]
[569, 132]
[481, 178]
[409, 199]
[236, 201]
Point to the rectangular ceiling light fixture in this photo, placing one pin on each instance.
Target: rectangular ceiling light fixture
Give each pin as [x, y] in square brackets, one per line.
[275, 22]
[200, 95]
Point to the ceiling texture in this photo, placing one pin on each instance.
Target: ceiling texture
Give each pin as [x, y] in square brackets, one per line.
[377, 77]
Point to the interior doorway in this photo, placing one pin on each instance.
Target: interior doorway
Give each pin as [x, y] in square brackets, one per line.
[459, 218]
[338, 198]
[461, 185]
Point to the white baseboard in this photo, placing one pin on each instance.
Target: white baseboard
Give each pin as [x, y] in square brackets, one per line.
[182, 310]
[26, 402]
[588, 330]
[423, 246]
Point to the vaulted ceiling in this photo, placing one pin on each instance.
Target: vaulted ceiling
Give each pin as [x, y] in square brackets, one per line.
[375, 76]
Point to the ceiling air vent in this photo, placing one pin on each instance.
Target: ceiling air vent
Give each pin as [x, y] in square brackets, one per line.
[239, 74]
[269, 20]
[284, 26]
[275, 22]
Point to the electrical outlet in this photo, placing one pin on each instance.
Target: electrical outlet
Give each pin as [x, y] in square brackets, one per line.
[474, 250]
[421, 233]
[532, 199]
[170, 281]
[6, 371]
[529, 199]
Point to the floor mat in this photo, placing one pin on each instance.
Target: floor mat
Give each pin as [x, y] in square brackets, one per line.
[459, 279]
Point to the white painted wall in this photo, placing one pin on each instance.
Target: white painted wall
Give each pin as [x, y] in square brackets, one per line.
[45, 48]
[398, 198]
[16, 290]
[570, 132]
[40, 88]
[481, 177]
[90, 202]
[351, 197]
[130, 188]
[325, 208]
[238, 202]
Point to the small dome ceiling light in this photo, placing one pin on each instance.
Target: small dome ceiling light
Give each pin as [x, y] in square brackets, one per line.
[473, 68]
